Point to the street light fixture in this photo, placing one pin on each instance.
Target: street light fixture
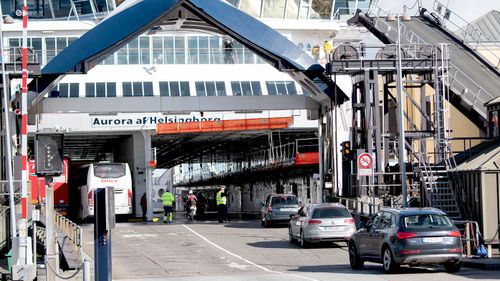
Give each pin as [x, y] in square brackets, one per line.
[6, 112]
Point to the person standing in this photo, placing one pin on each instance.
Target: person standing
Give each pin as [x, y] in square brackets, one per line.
[315, 52]
[327, 48]
[168, 200]
[221, 199]
[144, 206]
[228, 52]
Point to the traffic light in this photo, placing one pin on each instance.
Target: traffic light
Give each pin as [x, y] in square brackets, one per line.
[49, 154]
[346, 150]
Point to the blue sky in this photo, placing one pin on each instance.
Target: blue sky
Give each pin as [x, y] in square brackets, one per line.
[466, 9]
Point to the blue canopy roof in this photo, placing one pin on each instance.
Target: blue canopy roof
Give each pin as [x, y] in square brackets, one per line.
[135, 17]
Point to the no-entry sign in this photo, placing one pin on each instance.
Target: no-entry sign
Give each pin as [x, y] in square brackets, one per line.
[365, 164]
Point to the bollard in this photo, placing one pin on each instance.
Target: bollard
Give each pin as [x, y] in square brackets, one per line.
[86, 270]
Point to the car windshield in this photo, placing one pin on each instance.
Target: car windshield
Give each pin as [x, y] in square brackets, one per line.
[285, 200]
[426, 220]
[330, 213]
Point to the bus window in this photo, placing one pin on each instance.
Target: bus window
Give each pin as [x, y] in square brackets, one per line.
[109, 170]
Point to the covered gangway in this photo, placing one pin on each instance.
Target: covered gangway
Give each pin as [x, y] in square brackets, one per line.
[136, 17]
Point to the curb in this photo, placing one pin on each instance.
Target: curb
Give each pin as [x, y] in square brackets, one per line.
[482, 264]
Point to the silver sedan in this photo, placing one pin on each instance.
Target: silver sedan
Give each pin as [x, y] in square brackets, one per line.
[321, 222]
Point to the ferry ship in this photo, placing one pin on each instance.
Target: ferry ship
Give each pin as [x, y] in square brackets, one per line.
[171, 64]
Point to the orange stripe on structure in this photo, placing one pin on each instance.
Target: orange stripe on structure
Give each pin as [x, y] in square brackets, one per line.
[306, 158]
[253, 124]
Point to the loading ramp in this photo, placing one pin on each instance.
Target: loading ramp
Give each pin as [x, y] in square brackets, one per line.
[473, 81]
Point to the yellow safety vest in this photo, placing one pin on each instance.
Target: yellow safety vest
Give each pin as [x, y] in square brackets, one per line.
[167, 198]
[220, 200]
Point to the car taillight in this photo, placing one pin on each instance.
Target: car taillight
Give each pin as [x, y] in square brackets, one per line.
[90, 197]
[314, 222]
[349, 221]
[457, 250]
[405, 235]
[409, 252]
[270, 209]
[455, 233]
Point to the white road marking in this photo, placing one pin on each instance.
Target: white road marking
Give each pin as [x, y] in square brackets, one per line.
[245, 260]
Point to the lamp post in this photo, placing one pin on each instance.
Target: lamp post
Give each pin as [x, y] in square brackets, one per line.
[8, 147]
[402, 144]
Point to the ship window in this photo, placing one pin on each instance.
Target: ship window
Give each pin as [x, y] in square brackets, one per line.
[127, 89]
[100, 89]
[321, 9]
[137, 89]
[271, 88]
[200, 89]
[174, 89]
[133, 52]
[292, 9]
[210, 88]
[281, 88]
[246, 88]
[89, 90]
[185, 89]
[144, 49]
[148, 89]
[111, 89]
[236, 88]
[193, 49]
[251, 7]
[164, 92]
[74, 90]
[63, 90]
[257, 91]
[290, 88]
[158, 50]
[180, 56]
[274, 8]
[220, 88]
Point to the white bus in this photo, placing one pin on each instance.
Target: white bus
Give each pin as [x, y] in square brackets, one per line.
[103, 175]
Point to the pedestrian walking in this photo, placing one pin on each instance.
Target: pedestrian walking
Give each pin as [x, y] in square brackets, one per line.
[144, 206]
[168, 200]
[315, 52]
[221, 199]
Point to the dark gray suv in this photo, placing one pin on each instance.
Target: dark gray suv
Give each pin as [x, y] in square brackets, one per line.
[409, 236]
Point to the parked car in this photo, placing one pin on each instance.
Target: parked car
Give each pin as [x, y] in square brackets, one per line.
[278, 208]
[411, 236]
[321, 222]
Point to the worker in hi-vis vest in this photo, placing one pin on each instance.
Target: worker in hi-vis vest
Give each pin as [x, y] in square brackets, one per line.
[168, 200]
[221, 204]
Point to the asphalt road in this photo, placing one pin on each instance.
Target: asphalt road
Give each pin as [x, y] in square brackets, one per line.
[241, 250]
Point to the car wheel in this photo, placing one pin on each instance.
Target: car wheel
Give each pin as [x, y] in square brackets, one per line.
[388, 262]
[452, 267]
[290, 235]
[354, 258]
[303, 243]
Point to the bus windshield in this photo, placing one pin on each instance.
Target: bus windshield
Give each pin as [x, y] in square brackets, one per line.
[107, 171]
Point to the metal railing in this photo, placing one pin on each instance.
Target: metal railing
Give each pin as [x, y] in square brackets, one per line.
[282, 155]
[70, 229]
[469, 34]
[413, 38]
